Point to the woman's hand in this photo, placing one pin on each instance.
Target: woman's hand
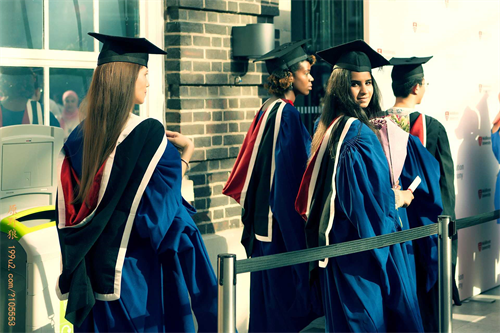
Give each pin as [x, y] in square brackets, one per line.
[403, 198]
[179, 140]
[407, 198]
[185, 145]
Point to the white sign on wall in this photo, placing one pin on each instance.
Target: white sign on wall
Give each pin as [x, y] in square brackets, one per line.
[464, 82]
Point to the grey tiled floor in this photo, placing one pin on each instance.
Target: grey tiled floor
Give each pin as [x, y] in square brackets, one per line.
[470, 317]
[478, 317]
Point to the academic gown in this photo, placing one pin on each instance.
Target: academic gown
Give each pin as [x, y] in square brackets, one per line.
[424, 210]
[436, 142]
[281, 299]
[346, 195]
[433, 136]
[495, 145]
[166, 270]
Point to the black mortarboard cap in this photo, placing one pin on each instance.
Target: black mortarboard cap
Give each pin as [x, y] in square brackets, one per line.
[284, 56]
[125, 49]
[355, 56]
[407, 68]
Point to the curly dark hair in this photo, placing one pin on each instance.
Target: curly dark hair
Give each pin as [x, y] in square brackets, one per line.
[280, 81]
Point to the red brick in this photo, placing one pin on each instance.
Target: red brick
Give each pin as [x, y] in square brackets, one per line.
[218, 201]
[218, 176]
[233, 211]
[233, 139]
[217, 140]
[219, 214]
[216, 128]
[234, 115]
[216, 104]
[201, 41]
[217, 153]
[192, 129]
[201, 116]
[216, 54]
[215, 29]
[249, 8]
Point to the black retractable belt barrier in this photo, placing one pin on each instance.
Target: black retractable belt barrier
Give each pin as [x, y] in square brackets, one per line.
[445, 228]
[331, 251]
[477, 219]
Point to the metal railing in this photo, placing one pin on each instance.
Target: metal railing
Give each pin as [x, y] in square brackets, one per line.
[228, 267]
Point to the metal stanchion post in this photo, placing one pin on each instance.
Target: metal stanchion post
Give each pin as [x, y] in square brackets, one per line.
[445, 232]
[226, 282]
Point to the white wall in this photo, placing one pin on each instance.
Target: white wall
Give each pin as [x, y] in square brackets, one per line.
[228, 241]
[283, 22]
[464, 77]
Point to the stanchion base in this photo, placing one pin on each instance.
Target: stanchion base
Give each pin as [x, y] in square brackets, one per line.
[483, 299]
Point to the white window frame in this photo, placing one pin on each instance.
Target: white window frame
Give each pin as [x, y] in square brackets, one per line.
[151, 26]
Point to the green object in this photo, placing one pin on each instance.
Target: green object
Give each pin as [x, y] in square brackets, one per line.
[64, 325]
[10, 225]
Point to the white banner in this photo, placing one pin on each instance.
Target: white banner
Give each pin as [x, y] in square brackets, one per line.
[464, 84]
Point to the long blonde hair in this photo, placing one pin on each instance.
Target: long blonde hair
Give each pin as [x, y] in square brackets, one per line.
[107, 108]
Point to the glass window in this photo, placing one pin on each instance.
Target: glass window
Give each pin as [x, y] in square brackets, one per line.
[326, 23]
[68, 87]
[23, 26]
[69, 22]
[119, 17]
[20, 92]
[21, 23]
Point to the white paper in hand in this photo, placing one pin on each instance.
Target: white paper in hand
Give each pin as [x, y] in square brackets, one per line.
[414, 184]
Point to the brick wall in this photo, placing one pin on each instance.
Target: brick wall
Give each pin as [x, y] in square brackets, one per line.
[203, 101]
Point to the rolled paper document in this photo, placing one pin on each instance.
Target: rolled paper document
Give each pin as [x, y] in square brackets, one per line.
[414, 184]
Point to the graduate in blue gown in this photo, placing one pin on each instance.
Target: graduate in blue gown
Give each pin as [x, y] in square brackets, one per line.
[408, 86]
[346, 194]
[495, 145]
[408, 159]
[133, 259]
[265, 180]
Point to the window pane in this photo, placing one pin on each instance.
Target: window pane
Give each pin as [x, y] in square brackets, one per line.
[20, 92]
[67, 89]
[69, 22]
[21, 23]
[119, 17]
[326, 23]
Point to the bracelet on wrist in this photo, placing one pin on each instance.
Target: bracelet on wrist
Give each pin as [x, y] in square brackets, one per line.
[187, 164]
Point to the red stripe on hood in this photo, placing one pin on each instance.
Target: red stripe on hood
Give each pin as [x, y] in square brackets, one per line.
[76, 213]
[303, 194]
[236, 181]
[418, 128]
